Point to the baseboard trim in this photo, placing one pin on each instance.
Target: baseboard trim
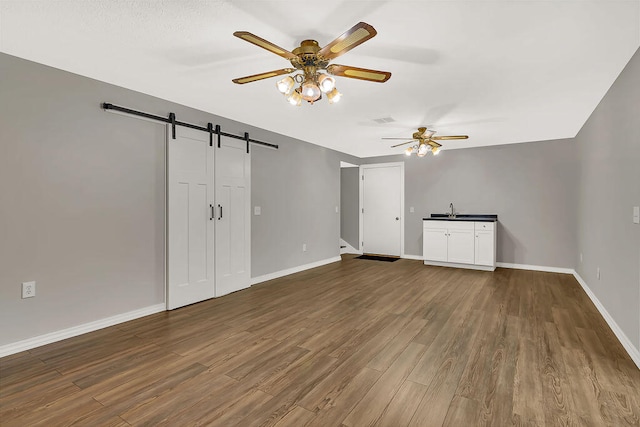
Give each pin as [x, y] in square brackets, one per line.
[348, 249]
[459, 265]
[416, 257]
[63, 334]
[633, 352]
[288, 271]
[535, 267]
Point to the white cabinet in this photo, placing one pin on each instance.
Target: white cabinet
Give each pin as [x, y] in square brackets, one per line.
[466, 244]
[448, 241]
[434, 241]
[460, 245]
[485, 244]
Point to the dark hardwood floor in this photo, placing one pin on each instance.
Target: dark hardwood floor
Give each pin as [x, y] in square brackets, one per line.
[352, 343]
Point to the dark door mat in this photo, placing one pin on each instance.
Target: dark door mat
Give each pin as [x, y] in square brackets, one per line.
[378, 258]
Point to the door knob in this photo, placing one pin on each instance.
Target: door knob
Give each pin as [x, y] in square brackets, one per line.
[397, 218]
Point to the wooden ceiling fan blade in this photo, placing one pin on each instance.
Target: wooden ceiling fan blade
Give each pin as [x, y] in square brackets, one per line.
[265, 44]
[355, 36]
[403, 143]
[422, 130]
[268, 74]
[444, 138]
[433, 143]
[359, 73]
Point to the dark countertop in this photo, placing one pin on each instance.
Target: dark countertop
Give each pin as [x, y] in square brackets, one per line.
[463, 217]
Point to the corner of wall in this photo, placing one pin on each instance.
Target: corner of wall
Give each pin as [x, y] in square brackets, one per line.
[633, 352]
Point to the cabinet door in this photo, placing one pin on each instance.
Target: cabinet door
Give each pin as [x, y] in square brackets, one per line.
[485, 248]
[434, 244]
[461, 246]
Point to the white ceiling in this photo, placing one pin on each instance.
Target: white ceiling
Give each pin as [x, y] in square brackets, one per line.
[500, 71]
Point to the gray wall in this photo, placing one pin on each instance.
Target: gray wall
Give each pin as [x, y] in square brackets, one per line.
[82, 190]
[530, 186]
[349, 203]
[609, 150]
[298, 189]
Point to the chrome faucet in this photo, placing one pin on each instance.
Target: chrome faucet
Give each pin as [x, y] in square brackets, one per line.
[452, 214]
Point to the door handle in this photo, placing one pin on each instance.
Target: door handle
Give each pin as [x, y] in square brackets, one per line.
[212, 213]
[220, 217]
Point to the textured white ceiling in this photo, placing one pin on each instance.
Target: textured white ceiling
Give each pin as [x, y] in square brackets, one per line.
[500, 71]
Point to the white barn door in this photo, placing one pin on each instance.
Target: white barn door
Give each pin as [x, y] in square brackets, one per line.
[233, 220]
[190, 220]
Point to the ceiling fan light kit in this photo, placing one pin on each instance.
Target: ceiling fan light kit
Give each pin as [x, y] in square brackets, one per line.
[426, 142]
[316, 74]
[422, 150]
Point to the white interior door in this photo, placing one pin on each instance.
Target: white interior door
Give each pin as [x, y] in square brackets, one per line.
[382, 200]
[190, 219]
[233, 220]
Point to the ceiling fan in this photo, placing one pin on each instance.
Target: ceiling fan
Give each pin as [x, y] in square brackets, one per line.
[425, 142]
[313, 61]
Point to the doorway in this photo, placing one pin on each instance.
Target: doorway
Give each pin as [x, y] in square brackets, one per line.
[382, 209]
[349, 208]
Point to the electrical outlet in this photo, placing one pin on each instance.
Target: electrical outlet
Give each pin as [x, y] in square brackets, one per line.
[257, 210]
[598, 273]
[412, 209]
[304, 247]
[28, 289]
[337, 210]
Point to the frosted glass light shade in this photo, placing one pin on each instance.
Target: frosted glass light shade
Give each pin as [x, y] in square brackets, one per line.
[334, 96]
[327, 83]
[285, 85]
[294, 98]
[310, 91]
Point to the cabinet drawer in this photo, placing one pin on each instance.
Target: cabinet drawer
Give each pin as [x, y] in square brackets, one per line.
[488, 226]
[460, 225]
[434, 225]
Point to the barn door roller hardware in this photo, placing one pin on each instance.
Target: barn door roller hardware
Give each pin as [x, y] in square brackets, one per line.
[173, 122]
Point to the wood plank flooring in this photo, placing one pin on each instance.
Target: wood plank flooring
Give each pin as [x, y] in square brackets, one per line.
[352, 343]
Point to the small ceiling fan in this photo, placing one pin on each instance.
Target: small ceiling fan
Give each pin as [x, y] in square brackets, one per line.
[313, 61]
[425, 142]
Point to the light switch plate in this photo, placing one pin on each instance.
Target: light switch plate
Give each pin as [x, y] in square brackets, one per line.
[257, 210]
[412, 209]
[636, 214]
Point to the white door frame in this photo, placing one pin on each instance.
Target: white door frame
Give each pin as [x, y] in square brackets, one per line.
[361, 200]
